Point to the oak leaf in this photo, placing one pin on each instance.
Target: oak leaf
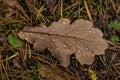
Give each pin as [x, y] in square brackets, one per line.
[64, 39]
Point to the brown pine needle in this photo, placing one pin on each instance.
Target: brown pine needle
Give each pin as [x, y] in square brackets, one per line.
[88, 12]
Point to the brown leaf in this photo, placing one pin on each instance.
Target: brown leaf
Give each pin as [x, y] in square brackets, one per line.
[64, 39]
[55, 73]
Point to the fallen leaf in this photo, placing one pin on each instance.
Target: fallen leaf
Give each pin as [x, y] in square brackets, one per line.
[54, 73]
[64, 39]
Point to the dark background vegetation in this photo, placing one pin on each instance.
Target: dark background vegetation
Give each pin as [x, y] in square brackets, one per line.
[19, 61]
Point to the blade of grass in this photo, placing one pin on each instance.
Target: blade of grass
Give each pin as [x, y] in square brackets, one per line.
[14, 55]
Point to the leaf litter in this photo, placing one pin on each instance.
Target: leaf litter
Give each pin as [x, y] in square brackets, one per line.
[55, 73]
[64, 39]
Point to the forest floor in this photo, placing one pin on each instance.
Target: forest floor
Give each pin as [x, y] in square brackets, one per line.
[18, 59]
